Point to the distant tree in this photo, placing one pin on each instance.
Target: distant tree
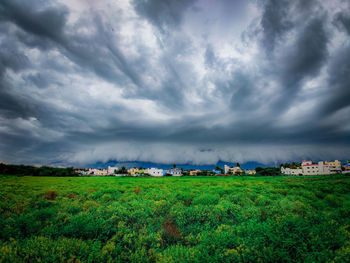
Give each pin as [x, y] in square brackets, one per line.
[259, 169]
[174, 165]
[238, 165]
[122, 170]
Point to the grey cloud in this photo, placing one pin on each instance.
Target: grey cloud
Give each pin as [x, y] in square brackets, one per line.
[163, 12]
[275, 22]
[339, 82]
[309, 53]
[46, 23]
[342, 19]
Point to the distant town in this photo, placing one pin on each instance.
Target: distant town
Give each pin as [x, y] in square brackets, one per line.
[303, 168]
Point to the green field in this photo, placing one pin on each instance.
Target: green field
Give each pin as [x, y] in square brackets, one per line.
[188, 219]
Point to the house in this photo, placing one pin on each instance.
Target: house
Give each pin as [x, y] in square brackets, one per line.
[174, 172]
[216, 171]
[310, 168]
[233, 170]
[91, 171]
[346, 168]
[97, 172]
[112, 170]
[154, 171]
[194, 172]
[292, 171]
[134, 171]
[250, 172]
[80, 171]
[334, 167]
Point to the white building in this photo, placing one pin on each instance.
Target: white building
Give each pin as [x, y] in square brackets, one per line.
[310, 168]
[174, 172]
[234, 170]
[154, 171]
[111, 169]
[292, 171]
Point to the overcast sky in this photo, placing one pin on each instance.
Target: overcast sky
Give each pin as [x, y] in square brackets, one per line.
[176, 81]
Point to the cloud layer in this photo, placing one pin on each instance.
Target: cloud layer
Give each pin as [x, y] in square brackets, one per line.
[174, 81]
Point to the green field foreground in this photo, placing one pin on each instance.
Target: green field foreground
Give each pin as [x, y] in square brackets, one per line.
[188, 219]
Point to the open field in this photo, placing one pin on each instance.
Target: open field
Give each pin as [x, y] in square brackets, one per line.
[206, 219]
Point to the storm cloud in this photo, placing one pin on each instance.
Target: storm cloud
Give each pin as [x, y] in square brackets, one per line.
[174, 81]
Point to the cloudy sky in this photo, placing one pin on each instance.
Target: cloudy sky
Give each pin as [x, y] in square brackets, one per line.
[179, 81]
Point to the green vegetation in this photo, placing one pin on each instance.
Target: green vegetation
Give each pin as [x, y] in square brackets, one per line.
[12, 169]
[188, 219]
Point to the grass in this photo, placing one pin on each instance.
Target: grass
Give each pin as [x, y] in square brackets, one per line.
[188, 219]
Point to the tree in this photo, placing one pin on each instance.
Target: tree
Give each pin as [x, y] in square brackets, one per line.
[122, 170]
[238, 165]
[174, 165]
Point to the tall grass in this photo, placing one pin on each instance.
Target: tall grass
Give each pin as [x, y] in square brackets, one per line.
[199, 219]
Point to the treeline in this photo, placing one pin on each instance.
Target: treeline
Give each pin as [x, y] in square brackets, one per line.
[268, 171]
[11, 169]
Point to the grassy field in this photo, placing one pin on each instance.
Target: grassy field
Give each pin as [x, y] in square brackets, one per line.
[213, 219]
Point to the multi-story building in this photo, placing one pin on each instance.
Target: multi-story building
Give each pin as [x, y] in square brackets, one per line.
[154, 171]
[292, 170]
[174, 172]
[234, 170]
[112, 170]
[310, 168]
[195, 172]
[334, 167]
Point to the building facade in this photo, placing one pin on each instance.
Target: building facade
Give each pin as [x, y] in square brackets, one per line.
[97, 172]
[112, 170]
[310, 168]
[234, 170]
[292, 171]
[195, 172]
[334, 167]
[155, 171]
[174, 172]
[134, 171]
[250, 172]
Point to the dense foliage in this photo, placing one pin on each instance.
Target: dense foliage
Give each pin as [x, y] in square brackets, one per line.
[12, 169]
[268, 171]
[188, 219]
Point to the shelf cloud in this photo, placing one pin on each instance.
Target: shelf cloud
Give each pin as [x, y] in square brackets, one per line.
[174, 81]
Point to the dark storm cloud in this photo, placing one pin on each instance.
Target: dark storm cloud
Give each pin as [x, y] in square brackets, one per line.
[163, 13]
[339, 82]
[275, 22]
[304, 60]
[173, 81]
[45, 23]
